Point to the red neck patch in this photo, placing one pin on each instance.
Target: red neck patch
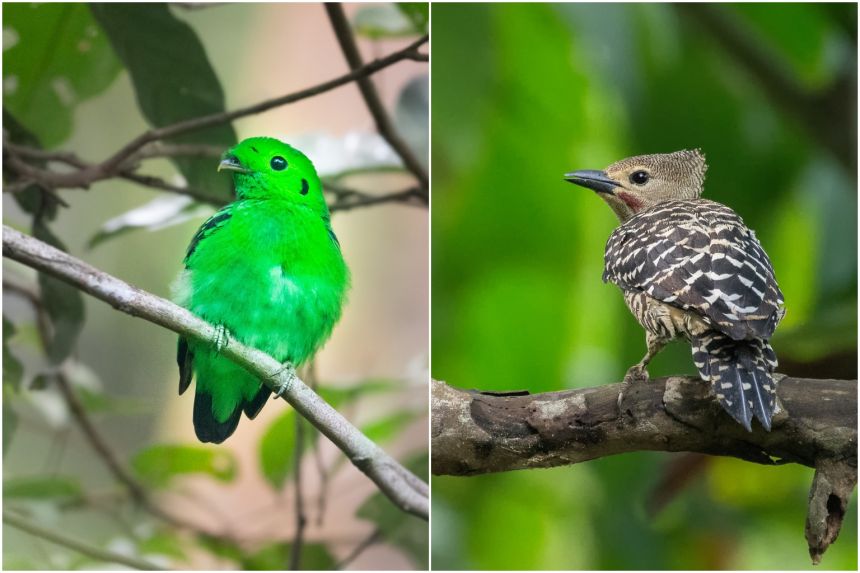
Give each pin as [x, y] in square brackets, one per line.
[631, 201]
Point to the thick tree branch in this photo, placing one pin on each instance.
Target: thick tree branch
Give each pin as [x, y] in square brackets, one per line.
[96, 553]
[401, 486]
[475, 433]
[384, 125]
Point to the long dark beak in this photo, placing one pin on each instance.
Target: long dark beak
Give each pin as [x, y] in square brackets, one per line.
[230, 163]
[596, 180]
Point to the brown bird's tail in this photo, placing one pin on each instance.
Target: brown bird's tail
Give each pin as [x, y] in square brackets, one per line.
[740, 373]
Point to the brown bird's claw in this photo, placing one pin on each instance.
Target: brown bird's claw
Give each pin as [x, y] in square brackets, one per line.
[636, 374]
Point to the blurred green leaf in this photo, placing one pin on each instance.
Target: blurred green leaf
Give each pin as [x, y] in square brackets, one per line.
[55, 488]
[63, 303]
[384, 21]
[163, 542]
[54, 57]
[418, 13]
[159, 213]
[158, 465]
[387, 427]
[172, 78]
[398, 528]
[274, 557]
[339, 396]
[278, 448]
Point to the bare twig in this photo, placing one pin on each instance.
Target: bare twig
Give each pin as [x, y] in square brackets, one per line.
[404, 489]
[96, 553]
[374, 537]
[301, 520]
[384, 125]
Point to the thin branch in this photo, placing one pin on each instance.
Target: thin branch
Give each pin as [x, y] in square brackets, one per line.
[96, 553]
[203, 122]
[405, 490]
[374, 537]
[346, 198]
[475, 433]
[384, 125]
[301, 520]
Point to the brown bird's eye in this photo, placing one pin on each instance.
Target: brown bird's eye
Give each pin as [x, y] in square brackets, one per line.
[639, 177]
[278, 163]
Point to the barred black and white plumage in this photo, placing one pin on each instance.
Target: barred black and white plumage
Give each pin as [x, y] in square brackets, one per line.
[698, 256]
[689, 268]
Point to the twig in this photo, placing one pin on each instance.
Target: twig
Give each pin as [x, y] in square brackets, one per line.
[96, 553]
[405, 490]
[374, 537]
[384, 125]
[301, 519]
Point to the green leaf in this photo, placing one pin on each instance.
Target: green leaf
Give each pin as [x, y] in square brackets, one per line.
[162, 542]
[42, 488]
[63, 302]
[401, 529]
[160, 213]
[274, 557]
[382, 21]
[338, 396]
[386, 428]
[31, 199]
[158, 465]
[172, 78]
[57, 59]
[418, 13]
[278, 448]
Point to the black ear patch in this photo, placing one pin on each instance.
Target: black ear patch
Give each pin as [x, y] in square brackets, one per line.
[305, 187]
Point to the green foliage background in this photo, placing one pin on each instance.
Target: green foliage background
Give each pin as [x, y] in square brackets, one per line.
[521, 95]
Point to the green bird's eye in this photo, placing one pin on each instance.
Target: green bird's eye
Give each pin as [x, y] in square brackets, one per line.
[278, 163]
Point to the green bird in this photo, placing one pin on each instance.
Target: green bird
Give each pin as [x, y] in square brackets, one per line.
[267, 268]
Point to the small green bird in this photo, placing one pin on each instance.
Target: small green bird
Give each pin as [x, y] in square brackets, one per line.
[266, 268]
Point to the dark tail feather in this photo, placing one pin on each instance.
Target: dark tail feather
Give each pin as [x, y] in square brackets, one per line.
[253, 407]
[184, 358]
[207, 428]
[740, 374]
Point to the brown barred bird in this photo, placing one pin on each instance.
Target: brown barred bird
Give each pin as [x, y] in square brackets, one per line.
[689, 268]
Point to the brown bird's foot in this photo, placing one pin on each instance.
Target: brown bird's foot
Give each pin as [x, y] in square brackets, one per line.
[636, 374]
[284, 385]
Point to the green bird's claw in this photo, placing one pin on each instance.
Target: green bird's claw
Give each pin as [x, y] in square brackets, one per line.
[290, 378]
[220, 338]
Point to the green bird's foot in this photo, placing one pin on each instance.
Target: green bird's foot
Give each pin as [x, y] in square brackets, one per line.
[221, 338]
[636, 374]
[283, 386]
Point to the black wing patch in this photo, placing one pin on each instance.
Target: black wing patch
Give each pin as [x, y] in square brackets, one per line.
[698, 255]
[211, 225]
[185, 360]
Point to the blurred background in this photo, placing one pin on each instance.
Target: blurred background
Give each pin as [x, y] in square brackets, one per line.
[67, 84]
[525, 93]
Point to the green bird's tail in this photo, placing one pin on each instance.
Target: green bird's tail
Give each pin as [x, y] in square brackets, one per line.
[224, 390]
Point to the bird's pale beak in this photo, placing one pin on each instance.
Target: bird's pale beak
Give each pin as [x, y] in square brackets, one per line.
[231, 163]
[596, 180]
